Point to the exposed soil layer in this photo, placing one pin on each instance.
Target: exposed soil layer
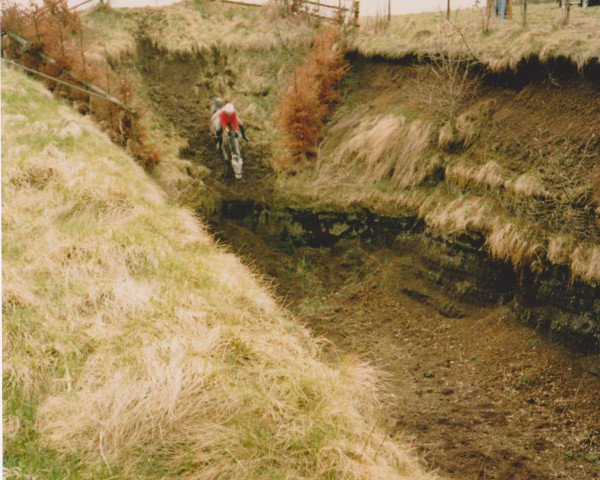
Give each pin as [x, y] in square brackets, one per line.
[565, 309]
[482, 395]
[521, 122]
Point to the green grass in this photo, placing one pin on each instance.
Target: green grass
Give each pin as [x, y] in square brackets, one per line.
[135, 347]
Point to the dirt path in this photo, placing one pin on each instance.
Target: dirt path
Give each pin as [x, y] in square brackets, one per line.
[483, 396]
[171, 87]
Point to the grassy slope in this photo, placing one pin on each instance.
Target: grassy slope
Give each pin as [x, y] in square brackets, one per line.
[503, 46]
[192, 27]
[135, 347]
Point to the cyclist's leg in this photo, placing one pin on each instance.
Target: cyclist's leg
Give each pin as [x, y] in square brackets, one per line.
[242, 130]
[219, 135]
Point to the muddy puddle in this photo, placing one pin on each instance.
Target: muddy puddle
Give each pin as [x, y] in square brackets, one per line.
[481, 394]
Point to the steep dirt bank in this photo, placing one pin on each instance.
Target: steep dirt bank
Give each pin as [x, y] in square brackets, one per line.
[483, 395]
[521, 119]
[457, 265]
[518, 128]
[515, 176]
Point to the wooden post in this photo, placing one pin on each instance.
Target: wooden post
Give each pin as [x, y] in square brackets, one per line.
[509, 9]
[488, 15]
[524, 13]
[389, 12]
[566, 10]
[448, 10]
[356, 7]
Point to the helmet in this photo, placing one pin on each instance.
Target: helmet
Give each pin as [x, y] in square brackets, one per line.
[229, 109]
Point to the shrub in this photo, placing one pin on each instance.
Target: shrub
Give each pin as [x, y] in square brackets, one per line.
[301, 117]
[330, 66]
[308, 100]
[56, 31]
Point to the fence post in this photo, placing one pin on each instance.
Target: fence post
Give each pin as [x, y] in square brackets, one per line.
[566, 10]
[356, 8]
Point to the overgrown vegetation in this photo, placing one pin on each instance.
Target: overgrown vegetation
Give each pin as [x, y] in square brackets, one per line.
[55, 31]
[308, 100]
[135, 347]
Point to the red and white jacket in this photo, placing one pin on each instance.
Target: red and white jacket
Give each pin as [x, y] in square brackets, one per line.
[229, 120]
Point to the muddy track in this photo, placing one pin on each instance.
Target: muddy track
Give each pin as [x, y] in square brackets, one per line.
[483, 396]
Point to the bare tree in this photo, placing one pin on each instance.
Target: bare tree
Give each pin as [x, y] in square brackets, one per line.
[453, 88]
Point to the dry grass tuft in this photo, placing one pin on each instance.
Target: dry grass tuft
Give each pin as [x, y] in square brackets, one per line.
[445, 136]
[384, 149]
[527, 185]
[489, 174]
[466, 129]
[135, 347]
[509, 243]
[560, 248]
[585, 263]
[505, 240]
[462, 135]
[461, 214]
